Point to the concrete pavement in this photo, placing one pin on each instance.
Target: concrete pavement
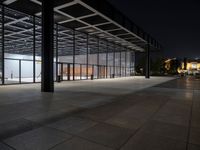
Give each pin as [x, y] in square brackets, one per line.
[125, 113]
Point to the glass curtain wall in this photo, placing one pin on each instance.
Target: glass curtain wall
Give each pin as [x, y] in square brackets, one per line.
[123, 63]
[92, 57]
[18, 47]
[117, 61]
[65, 53]
[132, 63]
[102, 58]
[78, 56]
[37, 49]
[111, 59]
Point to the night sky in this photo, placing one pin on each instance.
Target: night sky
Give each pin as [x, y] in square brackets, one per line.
[174, 23]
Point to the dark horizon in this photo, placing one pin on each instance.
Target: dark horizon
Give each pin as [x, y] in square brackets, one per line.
[175, 24]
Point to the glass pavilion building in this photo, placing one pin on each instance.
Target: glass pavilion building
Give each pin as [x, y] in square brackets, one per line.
[91, 39]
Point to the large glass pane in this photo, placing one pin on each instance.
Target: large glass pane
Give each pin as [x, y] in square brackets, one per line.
[65, 49]
[132, 63]
[77, 74]
[38, 49]
[80, 55]
[123, 63]
[12, 74]
[26, 71]
[110, 59]
[18, 47]
[128, 63]
[92, 56]
[102, 58]
[117, 64]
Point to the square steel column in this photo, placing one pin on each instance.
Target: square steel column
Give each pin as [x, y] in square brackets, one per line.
[74, 52]
[114, 62]
[3, 46]
[120, 65]
[98, 67]
[87, 56]
[125, 61]
[47, 46]
[147, 70]
[34, 49]
[57, 53]
[106, 59]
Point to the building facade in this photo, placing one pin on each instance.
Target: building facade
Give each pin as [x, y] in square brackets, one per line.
[190, 67]
[91, 40]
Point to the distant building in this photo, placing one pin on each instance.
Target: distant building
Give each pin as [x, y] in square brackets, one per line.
[190, 66]
[171, 66]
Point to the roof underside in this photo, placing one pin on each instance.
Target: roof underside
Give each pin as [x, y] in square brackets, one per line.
[97, 18]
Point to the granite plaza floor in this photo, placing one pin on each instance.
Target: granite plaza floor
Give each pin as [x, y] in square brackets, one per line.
[131, 113]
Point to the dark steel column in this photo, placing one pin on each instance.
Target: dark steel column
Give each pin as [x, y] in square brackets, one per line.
[134, 64]
[20, 71]
[93, 70]
[47, 46]
[147, 72]
[120, 63]
[87, 56]
[130, 62]
[3, 46]
[98, 68]
[125, 62]
[61, 71]
[114, 62]
[74, 50]
[68, 72]
[80, 71]
[56, 52]
[34, 50]
[107, 59]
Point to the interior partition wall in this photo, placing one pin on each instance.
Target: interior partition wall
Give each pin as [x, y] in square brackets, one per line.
[77, 55]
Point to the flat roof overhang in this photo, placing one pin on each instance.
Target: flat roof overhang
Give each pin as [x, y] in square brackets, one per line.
[97, 18]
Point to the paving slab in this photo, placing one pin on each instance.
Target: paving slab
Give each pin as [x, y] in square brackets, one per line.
[80, 144]
[128, 113]
[73, 125]
[195, 119]
[5, 147]
[14, 127]
[195, 136]
[181, 120]
[107, 135]
[147, 141]
[38, 139]
[172, 131]
[50, 116]
[126, 121]
[193, 147]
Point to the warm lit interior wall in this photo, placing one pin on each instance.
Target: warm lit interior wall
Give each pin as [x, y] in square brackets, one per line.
[198, 66]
